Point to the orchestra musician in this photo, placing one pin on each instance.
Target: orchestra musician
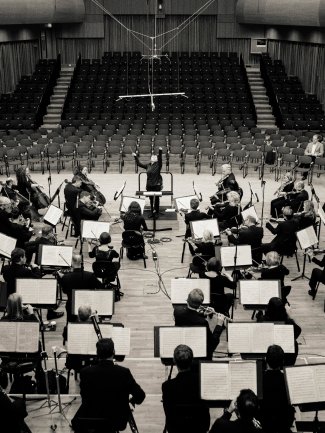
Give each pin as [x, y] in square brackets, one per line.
[307, 217]
[86, 210]
[104, 252]
[205, 249]
[278, 203]
[31, 190]
[19, 228]
[89, 185]
[71, 193]
[296, 197]
[317, 275]
[193, 215]
[11, 191]
[154, 179]
[226, 183]
[133, 218]
[248, 234]
[228, 211]
[47, 237]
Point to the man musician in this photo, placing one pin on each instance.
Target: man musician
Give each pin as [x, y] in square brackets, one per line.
[10, 191]
[226, 183]
[314, 149]
[278, 203]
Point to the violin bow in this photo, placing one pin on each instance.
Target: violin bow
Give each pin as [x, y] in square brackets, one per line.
[198, 195]
[119, 192]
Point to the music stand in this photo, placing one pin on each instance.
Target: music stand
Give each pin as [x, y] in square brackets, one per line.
[321, 215]
[181, 287]
[306, 238]
[53, 215]
[127, 200]
[101, 301]
[155, 194]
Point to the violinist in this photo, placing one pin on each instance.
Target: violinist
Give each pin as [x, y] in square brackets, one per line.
[297, 196]
[86, 210]
[226, 183]
[89, 185]
[274, 270]
[225, 215]
[13, 227]
[204, 250]
[71, 193]
[194, 215]
[11, 191]
[19, 228]
[31, 190]
[307, 217]
[47, 238]
[104, 252]
[317, 275]
[248, 234]
[277, 204]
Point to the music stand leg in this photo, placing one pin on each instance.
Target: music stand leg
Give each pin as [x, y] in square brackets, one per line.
[302, 275]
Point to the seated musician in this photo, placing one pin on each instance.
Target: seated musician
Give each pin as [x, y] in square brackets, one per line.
[228, 211]
[205, 249]
[219, 280]
[285, 240]
[133, 218]
[277, 312]
[191, 316]
[274, 270]
[317, 275]
[71, 193]
[84, 313]
[277, 415]
[9, 227]
[13, 413]
[104, 252]
[15, 310]
[194, 215]
[47, 238]
[248, 234]
[184, 410]
[10, 190]
[226, 183]
[89, 185]
[86, 210]
[307, 217]
[19, 228]
[297, 197]
[105, 391]
[278, 203]
[246, 408]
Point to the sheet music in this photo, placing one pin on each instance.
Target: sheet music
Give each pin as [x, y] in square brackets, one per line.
[93, 229]
[257, 337]
[126, 201]
[224, 381]
[7, 244]
[55, 255]
[321, 214]
[181, 287]
[184, 202]
[251, 211]
[243, 375]
[244, 256]
[53, 215]
[255, 292]
[307, 237]
[82, 338]
[301, 384]
[19, 337]
[101, 301]
[194, 337]
[37, 291]
[198, 227]
[284, 337]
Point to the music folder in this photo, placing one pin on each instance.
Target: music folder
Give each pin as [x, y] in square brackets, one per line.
[255, 338]
[198, 227]
[57, 256]
[126, 201]
[166, 338]
[250, 211]
[93, 229]
[82, 338]
[227, 256]
[307, 237]
[222, 381]
[184, 202]
[19, 337]
[255, 294]
[53, 215]
[181, 287]
[39, 292]
[306, 386]
[7, 244]
[101, 301]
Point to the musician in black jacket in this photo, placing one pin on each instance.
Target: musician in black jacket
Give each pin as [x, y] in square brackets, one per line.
[154, 179]
[194, 215]
[185, 411]
[226, 215]
[285, 240]
[47, 238]
[278, 203]
[11, 191]
[105, 391]
[190, 316]
[71, 193]
[226, 183]
[9, 227]
[297, 197]
[86, 210]
[317, 275]
[249, 234]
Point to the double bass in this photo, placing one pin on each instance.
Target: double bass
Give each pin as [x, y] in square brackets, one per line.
[90, 186]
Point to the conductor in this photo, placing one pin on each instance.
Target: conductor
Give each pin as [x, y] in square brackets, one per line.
[154, 180]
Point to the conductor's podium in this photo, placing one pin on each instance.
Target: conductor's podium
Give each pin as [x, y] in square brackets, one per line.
[166, 218]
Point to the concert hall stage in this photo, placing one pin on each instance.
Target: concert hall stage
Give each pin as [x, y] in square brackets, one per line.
[166, 220]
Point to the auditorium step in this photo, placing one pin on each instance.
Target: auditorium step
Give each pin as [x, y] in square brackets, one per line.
[265, 118]
[54, 110]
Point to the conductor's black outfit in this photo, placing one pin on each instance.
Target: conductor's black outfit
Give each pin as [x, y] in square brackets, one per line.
[185, 412]
[154, 180]
[105, 390]
[252, 236]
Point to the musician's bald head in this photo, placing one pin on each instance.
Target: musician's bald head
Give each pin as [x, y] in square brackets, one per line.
[76, 261]
[194, 203]
[250, 220]
[84, 313]
[47, 230]
[299, 186]
[195, 298]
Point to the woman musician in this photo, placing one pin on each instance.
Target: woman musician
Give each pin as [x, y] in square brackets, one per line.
[227, 214]
[31, 190]
[11, 191]
[287, 186]
[89, 185]
[226, 183]
[307, 217]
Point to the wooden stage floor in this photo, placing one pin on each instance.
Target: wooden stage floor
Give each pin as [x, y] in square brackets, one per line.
[144, 306]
